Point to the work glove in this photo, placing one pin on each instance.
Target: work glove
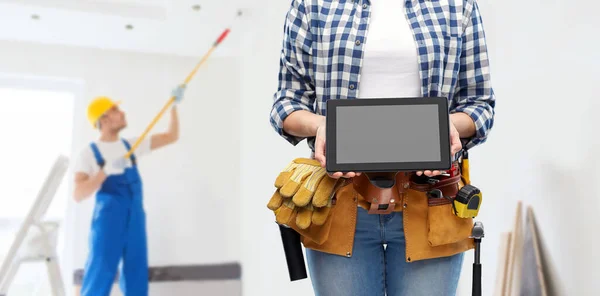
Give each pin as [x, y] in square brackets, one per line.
[178, 93]
[304, 189]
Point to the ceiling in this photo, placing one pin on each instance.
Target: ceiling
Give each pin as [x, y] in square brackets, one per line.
[154, 26]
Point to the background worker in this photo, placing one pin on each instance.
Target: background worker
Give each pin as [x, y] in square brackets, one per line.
[118, 228]
[384, 49]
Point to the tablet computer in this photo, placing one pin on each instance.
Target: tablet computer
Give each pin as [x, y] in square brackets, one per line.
[388, 135]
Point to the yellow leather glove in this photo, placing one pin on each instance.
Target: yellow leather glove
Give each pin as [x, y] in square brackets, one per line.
[305, 190]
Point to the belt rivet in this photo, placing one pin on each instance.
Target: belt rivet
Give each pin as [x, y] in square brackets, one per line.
[392, 200]
[405, 205]
[348, 254]
[406, 185]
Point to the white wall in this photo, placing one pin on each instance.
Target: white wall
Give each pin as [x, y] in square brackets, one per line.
[263, 155]
[191, 192]
[541, 151]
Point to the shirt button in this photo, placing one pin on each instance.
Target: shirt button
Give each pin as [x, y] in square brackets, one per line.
[364, 6]
[351, 86]
[357, 42]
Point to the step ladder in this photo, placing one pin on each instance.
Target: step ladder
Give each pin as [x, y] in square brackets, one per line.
[36, 239]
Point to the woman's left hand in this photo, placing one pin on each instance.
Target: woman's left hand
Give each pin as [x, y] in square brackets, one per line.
[455, 147]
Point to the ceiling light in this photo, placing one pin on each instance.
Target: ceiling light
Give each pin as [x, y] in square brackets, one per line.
[129, 27]
[196, 7]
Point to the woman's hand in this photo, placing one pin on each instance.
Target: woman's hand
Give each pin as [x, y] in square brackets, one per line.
[320, 153]
[303, 123]
[455, 146]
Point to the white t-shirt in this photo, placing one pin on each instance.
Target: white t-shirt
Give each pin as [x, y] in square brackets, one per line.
[390, 65]
[110, 151]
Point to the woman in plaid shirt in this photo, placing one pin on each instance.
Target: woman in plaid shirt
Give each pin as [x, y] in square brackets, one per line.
[360, 49]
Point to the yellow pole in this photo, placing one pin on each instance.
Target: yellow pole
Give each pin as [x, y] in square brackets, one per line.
[172, 99]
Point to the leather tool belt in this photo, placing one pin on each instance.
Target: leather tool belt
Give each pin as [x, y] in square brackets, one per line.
[447, 185]
[382, 190]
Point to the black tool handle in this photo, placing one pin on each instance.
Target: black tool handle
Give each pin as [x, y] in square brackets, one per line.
[293, 253]
[477, 269]
[477, 234]
[476, 279]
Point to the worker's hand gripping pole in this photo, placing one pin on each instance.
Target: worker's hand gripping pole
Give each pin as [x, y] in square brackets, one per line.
[172, 99]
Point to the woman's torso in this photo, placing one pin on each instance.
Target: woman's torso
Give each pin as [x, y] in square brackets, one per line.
[340, 32]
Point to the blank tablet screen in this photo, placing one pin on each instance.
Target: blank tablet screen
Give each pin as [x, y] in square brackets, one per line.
[388, 134]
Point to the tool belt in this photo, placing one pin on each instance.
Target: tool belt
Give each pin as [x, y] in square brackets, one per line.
[381, 190]
[384, 191]
[449, 186]
[323, 212]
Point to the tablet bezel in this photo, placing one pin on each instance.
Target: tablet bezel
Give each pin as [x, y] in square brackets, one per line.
[444, 127]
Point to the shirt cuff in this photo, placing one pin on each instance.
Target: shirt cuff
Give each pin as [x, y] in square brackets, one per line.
[483, 122]
[280, 111]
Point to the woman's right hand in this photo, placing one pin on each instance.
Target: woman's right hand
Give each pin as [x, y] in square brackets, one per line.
[320, 153]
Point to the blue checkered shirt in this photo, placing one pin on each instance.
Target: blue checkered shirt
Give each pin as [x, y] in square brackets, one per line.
[323, 48]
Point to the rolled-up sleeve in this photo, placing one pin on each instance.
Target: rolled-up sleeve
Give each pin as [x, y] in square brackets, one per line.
[295, 87]
[474, 93]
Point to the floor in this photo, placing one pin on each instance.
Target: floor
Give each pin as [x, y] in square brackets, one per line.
[221, 288]
[32, 280]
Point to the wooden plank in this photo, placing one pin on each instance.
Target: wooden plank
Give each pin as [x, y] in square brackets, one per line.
[553, 284]
[513, 269]
[533, 282]
[502, 263]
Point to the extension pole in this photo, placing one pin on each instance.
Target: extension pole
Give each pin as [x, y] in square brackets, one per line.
[172, 99]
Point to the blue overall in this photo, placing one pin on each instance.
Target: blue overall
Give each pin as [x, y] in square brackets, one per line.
[118, 232]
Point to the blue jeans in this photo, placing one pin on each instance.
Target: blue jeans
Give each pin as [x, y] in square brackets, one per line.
[374, 270]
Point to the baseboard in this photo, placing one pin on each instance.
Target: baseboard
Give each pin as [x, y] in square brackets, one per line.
[175, 273]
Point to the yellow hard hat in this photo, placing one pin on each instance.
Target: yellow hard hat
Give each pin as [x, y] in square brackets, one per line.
[98, 107]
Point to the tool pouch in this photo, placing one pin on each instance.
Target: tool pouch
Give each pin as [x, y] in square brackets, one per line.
[444, 226]
[380, 190]
[318, 234]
